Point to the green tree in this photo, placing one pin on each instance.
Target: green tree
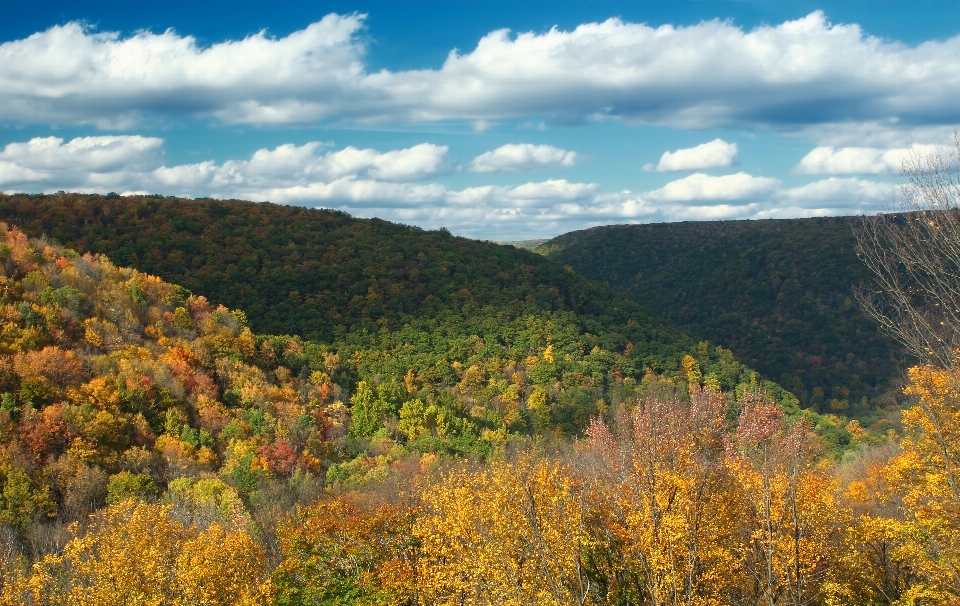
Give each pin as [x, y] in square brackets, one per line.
[366, 412]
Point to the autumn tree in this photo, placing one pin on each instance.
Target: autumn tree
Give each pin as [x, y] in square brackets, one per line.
[339, 552]
[509, 534]
[134, 553]
[663, 507]
[878, 563]
[915, 257]
[790, 527]
[926, 477]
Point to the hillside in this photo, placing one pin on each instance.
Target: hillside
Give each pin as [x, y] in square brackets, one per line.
[420, 299]
[322, 274]
[144, 428]
[114, 382]
[776, 292]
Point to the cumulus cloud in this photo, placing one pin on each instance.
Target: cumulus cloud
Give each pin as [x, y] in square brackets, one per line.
[522, 157]
[847, 195]
[83, 163]
[827, 160]
[395, 185]
[134, 162]
[799, 72]
[71, 74]
[715, 154]
[414, 163]
[884, 134]
[796, 75]
[698, 187]
[742, 197]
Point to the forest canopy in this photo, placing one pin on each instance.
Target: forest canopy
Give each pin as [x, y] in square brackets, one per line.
[154, 446]
[779, 293]
[321, 274]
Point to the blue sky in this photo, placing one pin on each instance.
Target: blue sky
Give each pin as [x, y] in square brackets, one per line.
[497, 120]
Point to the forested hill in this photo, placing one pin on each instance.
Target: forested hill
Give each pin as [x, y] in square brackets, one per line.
[326, 276]
[311, 272]
[153, 446]
[777, 292]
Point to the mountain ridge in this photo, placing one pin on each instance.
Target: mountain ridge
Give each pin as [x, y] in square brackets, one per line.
[778, 292]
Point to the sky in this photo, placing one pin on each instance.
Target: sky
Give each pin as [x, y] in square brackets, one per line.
[499, 120]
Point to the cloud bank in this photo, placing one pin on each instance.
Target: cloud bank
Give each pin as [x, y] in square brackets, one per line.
[134, 163]
[699, 186]
[71, 74]
[84, 162]
[395, 185]
[802, 74]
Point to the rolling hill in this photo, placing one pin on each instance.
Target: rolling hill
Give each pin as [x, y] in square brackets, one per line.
[322, 274]
[779, 293]
[418, 299]
[118, 384]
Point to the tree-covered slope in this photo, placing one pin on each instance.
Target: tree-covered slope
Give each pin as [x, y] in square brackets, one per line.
[776, 292]
[113, 381]
[392, 298]
[324, 275]
[152, 445]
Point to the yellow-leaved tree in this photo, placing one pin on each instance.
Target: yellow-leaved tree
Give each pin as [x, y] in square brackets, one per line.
[915, 297]
[877, 563]
[927, 475]
[511, 534]
[344, 551]
[135, 553]
[663, 506]
[790, 520]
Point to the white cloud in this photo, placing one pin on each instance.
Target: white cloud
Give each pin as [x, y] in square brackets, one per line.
[96, 154]
[355, 194]
[798, 75]
[86, 163]
[699, 187]
[81, 163]
[290, 163]
[715, 154]
[559, 189]
[71, 74]
[844, 196]
[800, 72]
[885, 134]
[745, 197]
[521, 157]
[382, 184]
[826, 160]
[414, 163]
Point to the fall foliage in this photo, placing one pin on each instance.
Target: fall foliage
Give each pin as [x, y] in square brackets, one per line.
[154, 450]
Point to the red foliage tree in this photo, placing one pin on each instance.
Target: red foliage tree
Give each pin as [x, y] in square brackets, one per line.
[280, 457]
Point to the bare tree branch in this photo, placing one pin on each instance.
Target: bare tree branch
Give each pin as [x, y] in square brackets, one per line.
[915, 258]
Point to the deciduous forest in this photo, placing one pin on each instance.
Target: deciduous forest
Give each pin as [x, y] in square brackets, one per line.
[778, 293]
[210, 402]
